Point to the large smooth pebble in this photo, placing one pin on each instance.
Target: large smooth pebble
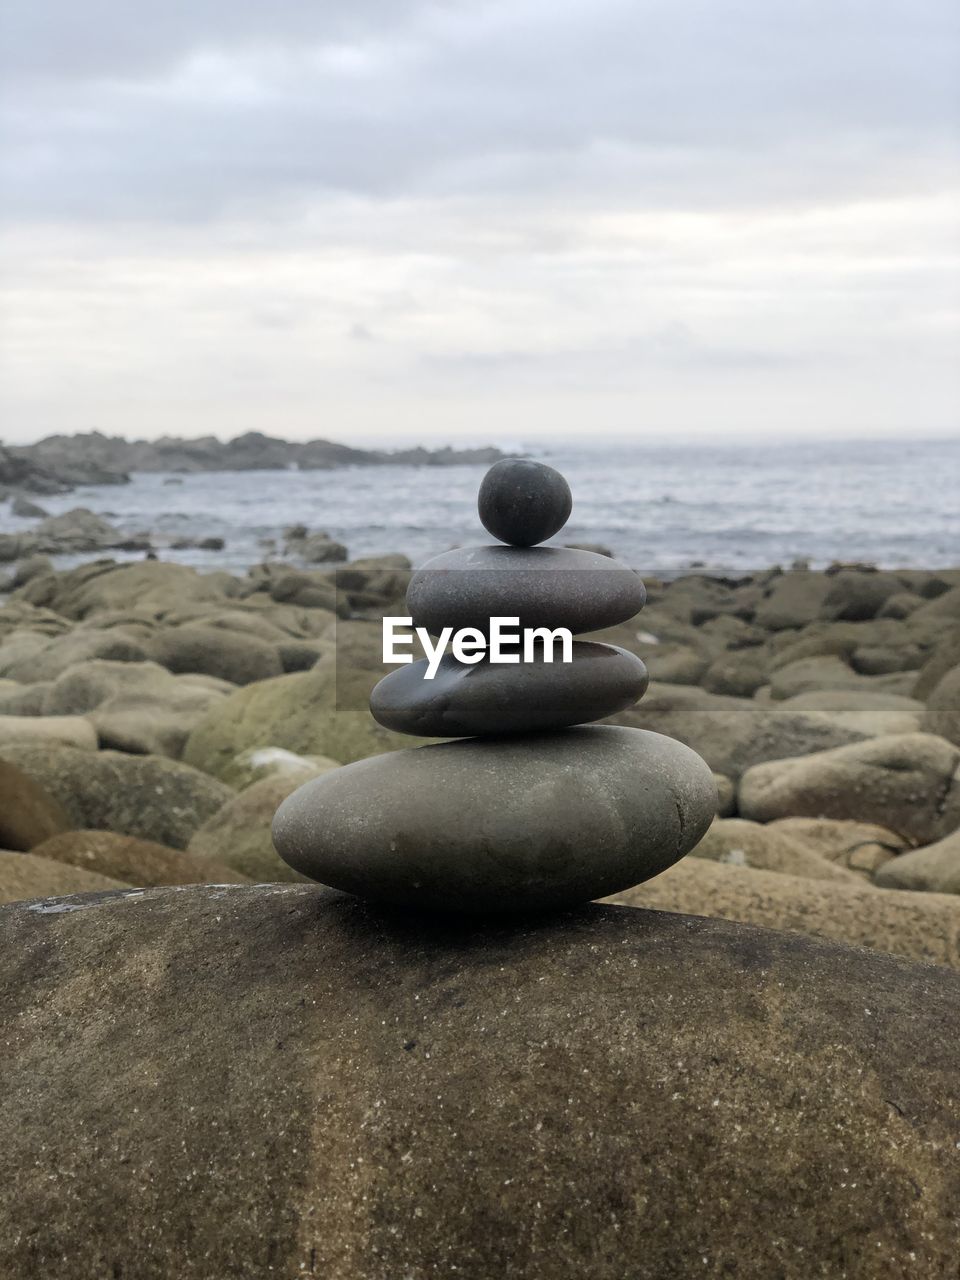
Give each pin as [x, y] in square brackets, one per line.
[501, 825]
[523, 502]
[542, 586]
[463, 700]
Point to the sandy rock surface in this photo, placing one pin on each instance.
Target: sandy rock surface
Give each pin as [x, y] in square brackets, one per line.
[561, 1100]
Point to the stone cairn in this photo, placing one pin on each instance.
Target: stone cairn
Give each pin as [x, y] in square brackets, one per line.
[533, 808]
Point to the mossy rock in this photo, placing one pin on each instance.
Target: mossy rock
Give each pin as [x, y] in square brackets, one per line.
[312, 713]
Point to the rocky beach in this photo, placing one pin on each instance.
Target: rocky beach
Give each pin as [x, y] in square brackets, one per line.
[151, 702]
[154, 716]
[479, 641]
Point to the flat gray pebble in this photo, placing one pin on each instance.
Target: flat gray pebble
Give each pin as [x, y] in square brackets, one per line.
[487, 698]
[542, 586]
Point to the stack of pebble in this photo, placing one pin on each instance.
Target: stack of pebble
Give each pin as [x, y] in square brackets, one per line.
[532, 810]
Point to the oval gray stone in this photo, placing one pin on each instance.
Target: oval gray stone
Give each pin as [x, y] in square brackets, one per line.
[501, 825]
[542, 586]
[523, 502]
[463, 700]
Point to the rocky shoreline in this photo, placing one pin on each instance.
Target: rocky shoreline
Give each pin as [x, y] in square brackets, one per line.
[60, 463]
[184, 1013]
[82, 531]
[826, 704]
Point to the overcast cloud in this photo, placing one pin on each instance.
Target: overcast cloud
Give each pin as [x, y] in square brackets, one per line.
[480, 220]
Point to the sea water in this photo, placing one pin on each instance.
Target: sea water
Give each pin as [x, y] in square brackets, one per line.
[731, 507]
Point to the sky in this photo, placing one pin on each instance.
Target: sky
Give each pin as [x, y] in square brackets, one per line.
[480, 220]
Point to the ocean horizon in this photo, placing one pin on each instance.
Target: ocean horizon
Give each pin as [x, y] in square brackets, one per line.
[730, 507]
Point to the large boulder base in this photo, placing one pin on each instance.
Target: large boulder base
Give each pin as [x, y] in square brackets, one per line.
[272, 1081]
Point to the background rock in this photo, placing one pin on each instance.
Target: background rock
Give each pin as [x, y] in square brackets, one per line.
[831, 672]
[726, 795]
[934, 868]
[73, 731]
[857, 597]
[317, 548]
[33, 566]
[239, 833]
[942, 715]
[27, 510]
[104, 585]
[861, 847]
[676, 664]
[731, 733]
[24, 472]
[751, 844]
[23, 699]
[318, 712]
[133, 861]
[266, 762]
[793, 601]
[25, 875]
[908, 782]
[94, 458]
[944, 657]
[946, 605]
[28, 813]
[146, 796]
[739, 674]
[900, 605]
[213, 651]
[46, 661]
[877, 659]
[921, 927]
[308, 590]
[869, 712]
[136, 706]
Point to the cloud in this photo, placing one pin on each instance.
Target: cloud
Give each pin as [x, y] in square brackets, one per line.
[216, 207]
[113, 39]
[200, 108]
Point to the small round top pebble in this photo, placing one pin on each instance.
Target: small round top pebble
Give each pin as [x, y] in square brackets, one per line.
[523, 502]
